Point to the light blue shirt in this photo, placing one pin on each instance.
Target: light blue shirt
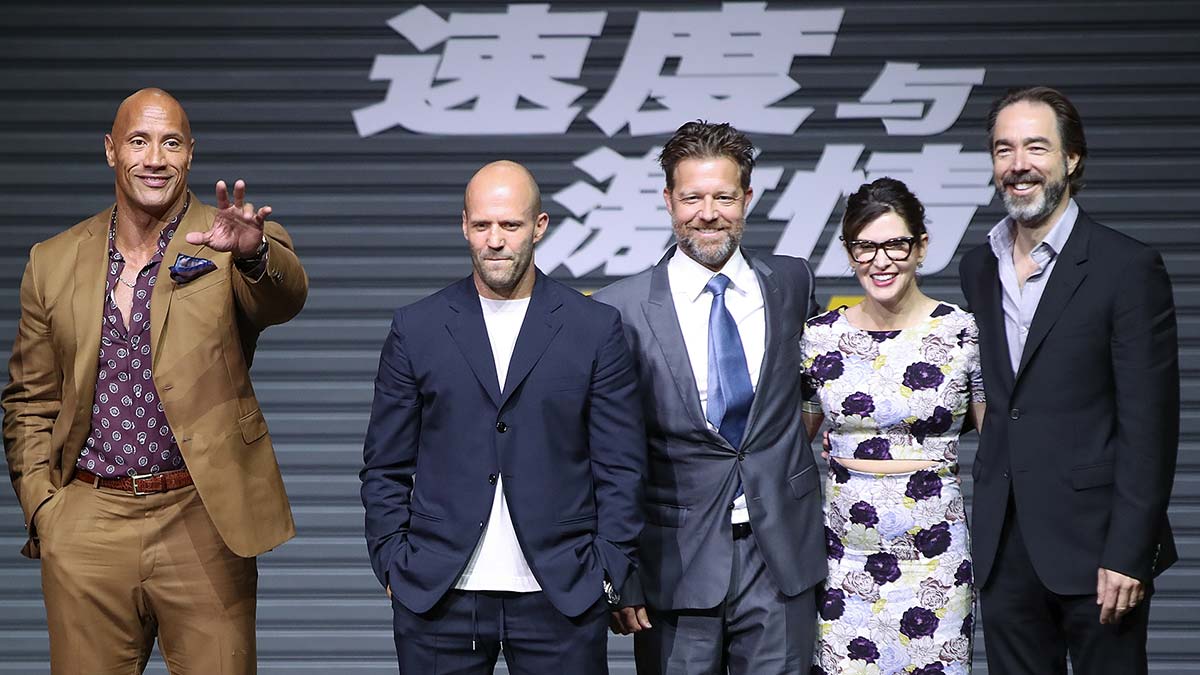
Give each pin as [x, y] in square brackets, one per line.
[1019, 303]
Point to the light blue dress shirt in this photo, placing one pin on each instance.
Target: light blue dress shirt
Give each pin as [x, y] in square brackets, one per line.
[1020, 303]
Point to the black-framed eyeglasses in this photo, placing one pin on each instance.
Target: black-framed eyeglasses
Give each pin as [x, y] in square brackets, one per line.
[896, 248]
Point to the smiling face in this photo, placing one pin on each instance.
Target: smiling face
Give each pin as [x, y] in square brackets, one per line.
[150, 151]
[1030, 164]
[708, 209]
[884, 280]
[501, 224]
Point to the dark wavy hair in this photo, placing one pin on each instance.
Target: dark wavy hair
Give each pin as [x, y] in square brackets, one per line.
[884, 195]
[1070, 126]
[702, 140]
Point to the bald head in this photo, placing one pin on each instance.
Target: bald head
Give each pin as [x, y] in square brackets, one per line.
[154, 100]
[507, 177]
[150, 150]
[502, 219]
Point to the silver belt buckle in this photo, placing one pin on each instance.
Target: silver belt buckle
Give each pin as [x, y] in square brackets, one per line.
[135, 479]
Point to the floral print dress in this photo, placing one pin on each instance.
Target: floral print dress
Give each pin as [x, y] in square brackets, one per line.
[899, 597]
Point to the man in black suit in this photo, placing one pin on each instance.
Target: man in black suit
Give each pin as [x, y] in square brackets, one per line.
[1077, 456]
[734, 537]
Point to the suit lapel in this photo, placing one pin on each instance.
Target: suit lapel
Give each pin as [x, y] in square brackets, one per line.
[659, 310]
[989, 312]
[1069, 272]
[87, 298]
[538, 329]
[470, 335]
[774, 318]
[197, 219]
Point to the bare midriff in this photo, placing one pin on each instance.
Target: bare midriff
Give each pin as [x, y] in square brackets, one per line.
[885, 465]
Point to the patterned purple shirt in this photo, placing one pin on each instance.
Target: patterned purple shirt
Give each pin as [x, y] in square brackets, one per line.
[130, 434]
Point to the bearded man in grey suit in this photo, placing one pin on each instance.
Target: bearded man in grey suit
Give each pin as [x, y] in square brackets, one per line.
[733, 543]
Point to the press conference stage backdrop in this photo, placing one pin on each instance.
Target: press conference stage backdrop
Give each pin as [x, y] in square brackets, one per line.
[360, 123]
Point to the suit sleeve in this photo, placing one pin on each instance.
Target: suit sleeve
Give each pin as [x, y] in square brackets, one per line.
[31, 400]
[277, 294]
[617, 440]
[963, 270]
[813, 308]
[1145, 366]
[390, 453]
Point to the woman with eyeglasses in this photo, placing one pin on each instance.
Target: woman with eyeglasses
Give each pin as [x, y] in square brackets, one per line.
[893, 377]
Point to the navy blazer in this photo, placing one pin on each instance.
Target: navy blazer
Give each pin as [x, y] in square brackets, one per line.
[1085, 436]
[566, 434]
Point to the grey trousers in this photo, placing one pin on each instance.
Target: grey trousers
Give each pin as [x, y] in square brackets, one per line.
[756, 631]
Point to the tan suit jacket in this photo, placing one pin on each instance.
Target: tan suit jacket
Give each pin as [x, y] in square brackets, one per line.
[203, 336]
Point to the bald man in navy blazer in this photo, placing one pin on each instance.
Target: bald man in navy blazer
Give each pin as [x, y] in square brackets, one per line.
[503, 461]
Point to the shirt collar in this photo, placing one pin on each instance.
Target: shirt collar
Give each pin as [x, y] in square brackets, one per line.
[1001, 235]
[688, 277]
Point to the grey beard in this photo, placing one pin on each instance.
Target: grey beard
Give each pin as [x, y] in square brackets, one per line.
[1033, 213]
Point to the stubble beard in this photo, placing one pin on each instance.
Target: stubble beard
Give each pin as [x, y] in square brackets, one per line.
[505, 280]
[711, 255]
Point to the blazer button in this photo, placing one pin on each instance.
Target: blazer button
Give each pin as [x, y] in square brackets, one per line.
[492, 479]
[741, 456]
[1015, 413]
[501, 427]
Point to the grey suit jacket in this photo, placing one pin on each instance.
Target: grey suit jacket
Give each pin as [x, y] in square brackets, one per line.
[692, 472]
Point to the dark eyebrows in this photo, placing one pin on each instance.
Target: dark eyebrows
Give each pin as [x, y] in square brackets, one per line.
[504, 223]
[1028, 140]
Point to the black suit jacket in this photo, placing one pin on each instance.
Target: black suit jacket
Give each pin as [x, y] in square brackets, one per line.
[566, 432]
[693, 473]
[1085, 435]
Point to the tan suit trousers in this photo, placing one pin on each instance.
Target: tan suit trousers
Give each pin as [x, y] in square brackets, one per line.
[120, 569]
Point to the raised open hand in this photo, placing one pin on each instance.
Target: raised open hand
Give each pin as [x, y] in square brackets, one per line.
[237, 227]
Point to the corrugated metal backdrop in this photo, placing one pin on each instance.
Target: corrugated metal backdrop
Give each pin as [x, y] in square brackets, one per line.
[270, 87]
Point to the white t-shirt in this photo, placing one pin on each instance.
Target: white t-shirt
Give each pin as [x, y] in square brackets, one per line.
[497, 563]
[743, 299]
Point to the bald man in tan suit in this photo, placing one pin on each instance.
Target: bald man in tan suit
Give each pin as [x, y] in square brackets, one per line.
[133, 437]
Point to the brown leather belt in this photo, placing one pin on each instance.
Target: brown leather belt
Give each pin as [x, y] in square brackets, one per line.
[146, 484]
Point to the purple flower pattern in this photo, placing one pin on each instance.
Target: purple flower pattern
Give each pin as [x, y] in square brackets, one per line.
[923, 485]
[883, 567]
[873, 448]
[921, 375]
[827, 367]
[883, 531]
[863, 513]
[963, 576]
[934, 541]
[918, 622]
[834, 550]
[833, 603]
[862, 649]
[936, 425]
[859, 404]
